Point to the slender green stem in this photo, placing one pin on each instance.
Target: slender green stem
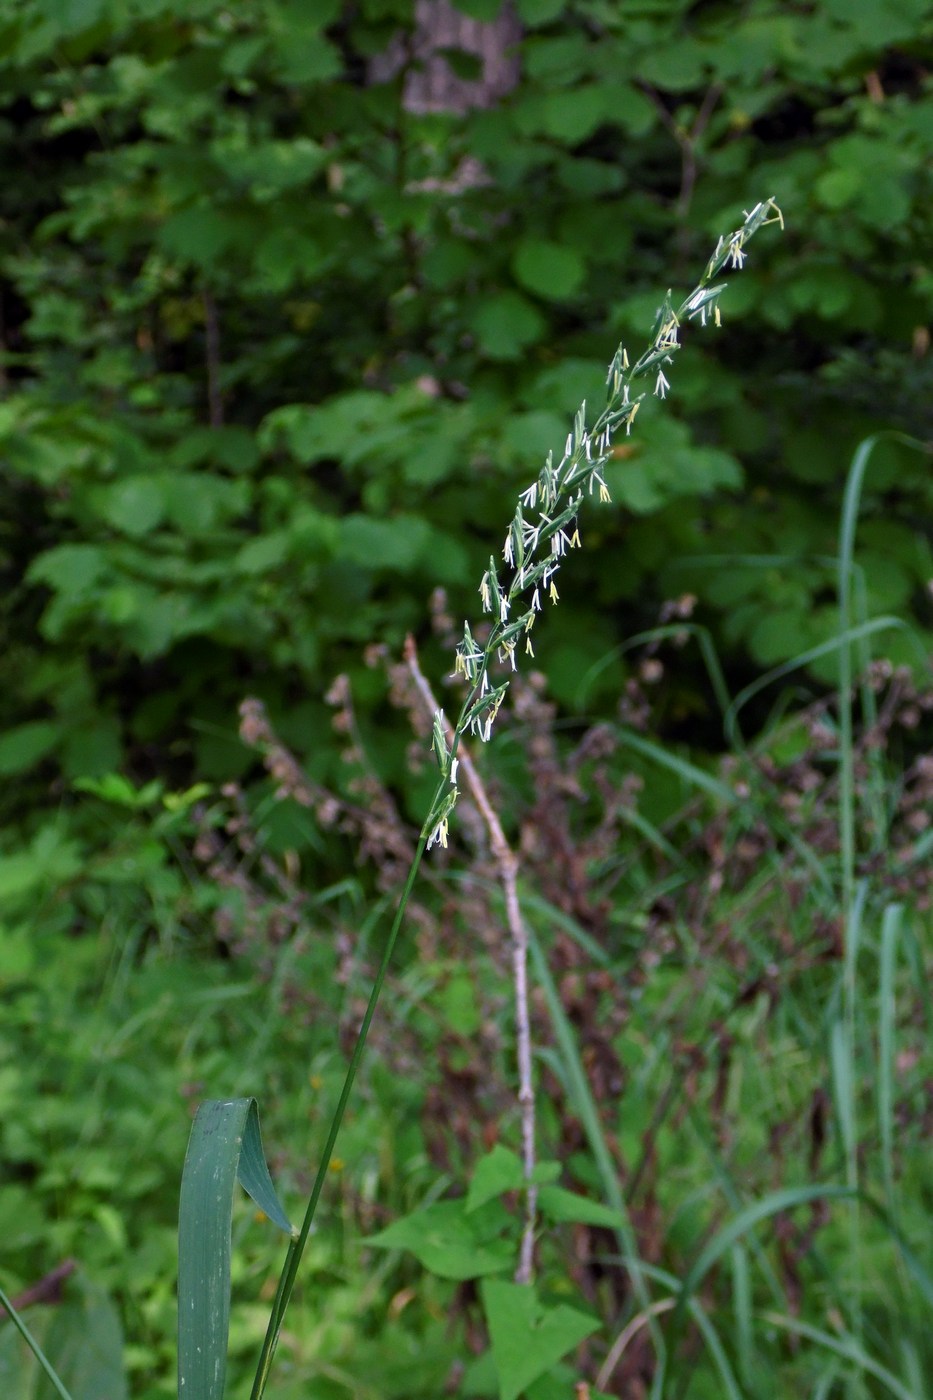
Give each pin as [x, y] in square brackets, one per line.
[34, 1346]
[297, 1246]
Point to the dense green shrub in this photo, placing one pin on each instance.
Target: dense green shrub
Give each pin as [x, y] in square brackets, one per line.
[271, 364]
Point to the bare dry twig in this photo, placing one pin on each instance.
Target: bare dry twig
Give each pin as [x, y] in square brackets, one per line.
[507, 864]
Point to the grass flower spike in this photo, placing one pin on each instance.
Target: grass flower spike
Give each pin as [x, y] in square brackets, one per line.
[544, 527]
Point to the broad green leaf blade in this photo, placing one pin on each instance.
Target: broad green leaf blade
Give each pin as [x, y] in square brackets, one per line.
[225, 1144]
[546, 1173]
[528, 1339]
[499, 1171]
[567, 1206]
[449, 1242]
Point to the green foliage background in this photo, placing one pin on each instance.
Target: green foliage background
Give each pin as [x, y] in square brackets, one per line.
[270, 372]
[393, 359]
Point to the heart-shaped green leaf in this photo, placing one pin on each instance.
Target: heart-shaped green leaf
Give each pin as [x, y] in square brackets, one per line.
[500, 1170]
[449, 1242]
[528, 1338]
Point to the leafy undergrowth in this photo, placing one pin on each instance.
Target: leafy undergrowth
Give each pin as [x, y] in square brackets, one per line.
[732, 1063]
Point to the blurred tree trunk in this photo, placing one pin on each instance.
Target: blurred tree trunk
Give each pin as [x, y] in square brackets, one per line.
[431, 84]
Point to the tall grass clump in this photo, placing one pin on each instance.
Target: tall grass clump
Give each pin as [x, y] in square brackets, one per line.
[541, 534]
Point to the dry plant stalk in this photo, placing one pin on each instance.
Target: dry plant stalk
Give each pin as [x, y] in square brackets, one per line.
[507, 865]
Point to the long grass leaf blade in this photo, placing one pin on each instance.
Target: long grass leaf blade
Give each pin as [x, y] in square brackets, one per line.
[890, 934]
[797, 663]
[774, 1204]
[691, 774]
[571, 927]
[912, 1264]
[225, 1146]
[844, 1346]
[676, 631]
[744, 1221]
[915, 953]
[847, 528]
[843, 1087]
[585, 1108]
[742, 1311]
[717, 1351]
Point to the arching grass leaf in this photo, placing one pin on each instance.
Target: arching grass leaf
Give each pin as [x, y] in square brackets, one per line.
[225, 1146]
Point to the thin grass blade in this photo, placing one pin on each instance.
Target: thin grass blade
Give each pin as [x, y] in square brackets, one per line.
[34, 1347]
[745, 1220]
[731, 1388]
[797, 663]
[845, 1346]
[676, 631]
[585, 1108]
[692, 775]
[742, 1312]
[887, 957]
[843, 1087]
